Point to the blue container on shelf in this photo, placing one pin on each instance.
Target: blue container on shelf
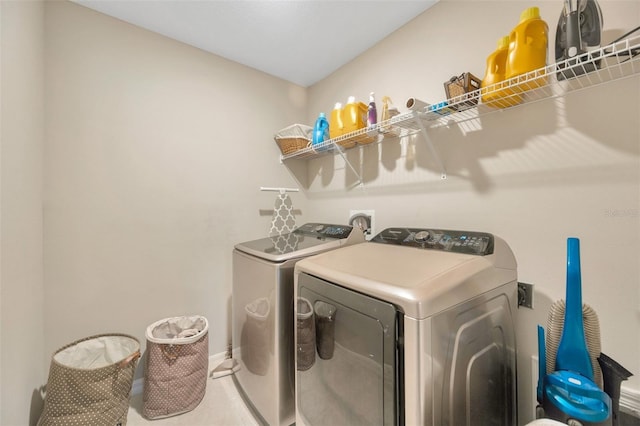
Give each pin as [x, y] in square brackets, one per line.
[321, 133]
[441, 108]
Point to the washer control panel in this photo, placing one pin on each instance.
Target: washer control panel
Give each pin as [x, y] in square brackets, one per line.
[467, 242]
[323, 230]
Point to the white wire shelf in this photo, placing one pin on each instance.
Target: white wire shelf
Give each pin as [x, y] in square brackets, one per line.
[609, 63]
[613, 62]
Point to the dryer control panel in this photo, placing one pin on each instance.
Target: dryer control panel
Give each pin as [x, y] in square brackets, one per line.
[323, 230]
[467, 242]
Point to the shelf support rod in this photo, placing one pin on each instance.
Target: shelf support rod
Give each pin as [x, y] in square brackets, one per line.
[347, 162]
[432, 149]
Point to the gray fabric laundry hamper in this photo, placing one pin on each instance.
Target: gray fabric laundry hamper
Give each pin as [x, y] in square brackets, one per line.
[177, 361]
[90, 382]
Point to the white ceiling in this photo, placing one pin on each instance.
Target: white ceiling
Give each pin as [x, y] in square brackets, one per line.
[301, 41]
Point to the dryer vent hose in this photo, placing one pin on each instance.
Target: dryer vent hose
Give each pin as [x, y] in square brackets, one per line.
[555, 324]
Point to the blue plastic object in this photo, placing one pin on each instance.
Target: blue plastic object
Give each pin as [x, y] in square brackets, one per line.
[320, 132]
[569, 392]
[577, 397]
[542, 363]
[441, 108]
[573, 354]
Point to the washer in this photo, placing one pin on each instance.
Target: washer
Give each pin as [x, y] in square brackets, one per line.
[262, 314]
[419, 331]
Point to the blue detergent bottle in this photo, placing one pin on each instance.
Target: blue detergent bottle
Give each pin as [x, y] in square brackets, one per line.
[320, 132]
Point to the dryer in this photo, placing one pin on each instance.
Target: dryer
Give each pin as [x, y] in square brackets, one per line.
[262, 314]
[421, 331]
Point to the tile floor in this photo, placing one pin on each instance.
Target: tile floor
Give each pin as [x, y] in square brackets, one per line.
[222, 405]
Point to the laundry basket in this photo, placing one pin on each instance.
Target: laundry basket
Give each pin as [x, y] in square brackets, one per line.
[462, 91]
[90, 381]
[293, 138]
[177, 360]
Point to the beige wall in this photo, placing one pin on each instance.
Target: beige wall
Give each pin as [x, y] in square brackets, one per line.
[154, 153]
[534, 175]
[21, 277]
[153, 159]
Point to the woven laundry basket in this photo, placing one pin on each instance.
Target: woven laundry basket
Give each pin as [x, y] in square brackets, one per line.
[90, 382]
[177, 360]
[293, 138]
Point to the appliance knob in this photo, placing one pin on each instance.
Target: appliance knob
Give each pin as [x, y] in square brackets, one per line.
[421, 236]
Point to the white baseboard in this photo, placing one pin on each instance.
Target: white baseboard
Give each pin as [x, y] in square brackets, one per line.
[630, 400]
[214, 360]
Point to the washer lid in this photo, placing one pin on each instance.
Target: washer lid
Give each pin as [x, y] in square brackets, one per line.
[309, 239]
[420, 282]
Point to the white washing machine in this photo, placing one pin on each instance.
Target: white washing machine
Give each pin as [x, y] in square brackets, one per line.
[262, 314]
[414, 327]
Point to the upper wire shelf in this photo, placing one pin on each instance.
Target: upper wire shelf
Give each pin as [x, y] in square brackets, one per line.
[609, 63]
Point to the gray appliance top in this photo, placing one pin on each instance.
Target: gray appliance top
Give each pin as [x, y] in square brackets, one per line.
[307, 240]
[467, 242]
[422, 271]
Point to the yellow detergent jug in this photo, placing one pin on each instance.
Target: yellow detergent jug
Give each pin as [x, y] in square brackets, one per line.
[497, 96]
[336, 127]
[528, 44]
[354, 115]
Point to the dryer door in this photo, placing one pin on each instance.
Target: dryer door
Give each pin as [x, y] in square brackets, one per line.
[347, 357]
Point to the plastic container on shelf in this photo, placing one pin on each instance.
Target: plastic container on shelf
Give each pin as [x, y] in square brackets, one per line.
[354, 115]
[320, 133]
[441, 108]
[372, 112]
[388, 112]
[528, 44]
[354, 118]
[388, 109]
[498, 96]
[336, 127]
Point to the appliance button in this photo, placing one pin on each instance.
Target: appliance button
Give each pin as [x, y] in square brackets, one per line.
[421, 236]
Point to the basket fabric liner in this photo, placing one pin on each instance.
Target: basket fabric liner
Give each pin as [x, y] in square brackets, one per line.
[90, 382]
[177, 330]
[97, 352]
[293, 138]
[177, 361]
[295, 131]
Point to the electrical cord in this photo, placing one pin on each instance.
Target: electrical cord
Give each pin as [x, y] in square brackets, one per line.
[633, 52]
[622, 37]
